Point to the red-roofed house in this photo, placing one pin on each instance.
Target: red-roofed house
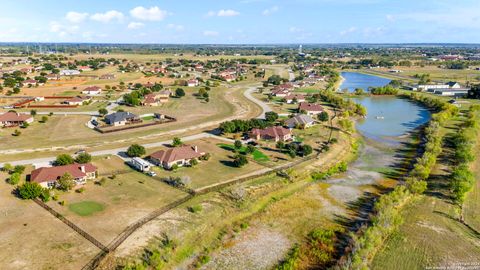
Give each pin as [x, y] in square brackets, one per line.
[179, 156]
[310, 108]
[275, 133]
[92, 90]
[48, 176]
[11, 119]
[280, 92]
[84, 68]
[76, 100]
[294, 98]
[192, 83]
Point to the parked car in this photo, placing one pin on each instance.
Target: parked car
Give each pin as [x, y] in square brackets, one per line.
[151, 173]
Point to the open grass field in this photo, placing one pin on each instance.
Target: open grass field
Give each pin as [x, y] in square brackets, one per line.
[104, 211]
[30, 235]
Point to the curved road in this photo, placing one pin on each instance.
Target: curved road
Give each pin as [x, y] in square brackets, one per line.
[118, 151]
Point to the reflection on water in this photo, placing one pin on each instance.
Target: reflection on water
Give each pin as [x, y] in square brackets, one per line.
[387, 120]
[354, 80]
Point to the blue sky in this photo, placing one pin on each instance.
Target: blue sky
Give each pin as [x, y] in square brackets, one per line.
[241, 21]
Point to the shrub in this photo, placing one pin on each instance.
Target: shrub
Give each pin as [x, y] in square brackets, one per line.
[14, 179]
[136, 150]
[29, 190]
[63, 159]
[195, 208]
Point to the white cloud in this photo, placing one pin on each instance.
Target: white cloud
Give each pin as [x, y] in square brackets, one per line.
[148, 14]
[348, 31]
[294, 29]
[176, 27]
[62, 30]
[227, 13]
[223, 13]
[209, 33]
[76, 17]
[107, 16]
[135, 25]
[270, 11]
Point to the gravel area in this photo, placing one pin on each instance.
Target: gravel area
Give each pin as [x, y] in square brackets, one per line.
[253, 249]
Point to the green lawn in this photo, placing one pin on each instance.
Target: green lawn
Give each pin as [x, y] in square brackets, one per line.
[257, 154]
[86, 208]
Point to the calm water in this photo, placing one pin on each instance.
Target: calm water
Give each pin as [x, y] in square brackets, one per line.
[358, 80]
[388, 117]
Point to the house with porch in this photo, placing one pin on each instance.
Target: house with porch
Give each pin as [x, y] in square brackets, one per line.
[275, 133]
[12, 119]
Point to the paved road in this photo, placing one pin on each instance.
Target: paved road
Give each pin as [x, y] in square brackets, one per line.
[263, 105]
[116, 151]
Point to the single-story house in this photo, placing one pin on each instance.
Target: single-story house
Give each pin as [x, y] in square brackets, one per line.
[107, 77]
[140, 164]
[452, 92]
[302, 120]
[92, 90]
[275, 133]
[84, 68]
[192, 83]
[120, 118]
[156, 98]
[294, 98]
[449, 85]
[76, 100]
[48, 176]
[310, 108]
[280, 92]
[32, 82]
[10, 119]
[52, 76]
[69, 72]
[179, 156]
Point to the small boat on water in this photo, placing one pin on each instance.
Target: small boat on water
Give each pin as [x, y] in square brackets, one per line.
[379, 117]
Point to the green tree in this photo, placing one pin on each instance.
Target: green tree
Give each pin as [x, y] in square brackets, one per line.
[323, 116]
[177, 142]
[136, 150]
[19, 169]
[63, 159]
[83, 158]
[66, 182]
[271, 116]
[179, 92]
[240, 160]
[237, 144]
[44, 119]
[29, 190]
[102, 111]
[33, 112]
[7, 167]
[306, 150]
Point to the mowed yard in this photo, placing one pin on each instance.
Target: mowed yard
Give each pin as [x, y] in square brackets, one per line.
[105, 211]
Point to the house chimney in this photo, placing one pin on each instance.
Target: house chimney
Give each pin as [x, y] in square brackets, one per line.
[82, 168]
[195, 148]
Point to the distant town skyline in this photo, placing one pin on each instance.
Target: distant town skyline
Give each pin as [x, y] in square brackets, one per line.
[241, 21]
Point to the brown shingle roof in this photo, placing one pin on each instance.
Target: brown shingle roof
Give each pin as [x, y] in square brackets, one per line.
[310, 107]
[46, 174]
[177, 153]
[272, 132]
[14, 117]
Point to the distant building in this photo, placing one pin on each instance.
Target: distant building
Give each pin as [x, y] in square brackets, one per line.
[92, 90]
[69, 72]
[192, 83]
[310, 108]
[300, 120]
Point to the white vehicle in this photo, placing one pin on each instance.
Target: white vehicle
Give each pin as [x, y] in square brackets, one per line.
[151, 173]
